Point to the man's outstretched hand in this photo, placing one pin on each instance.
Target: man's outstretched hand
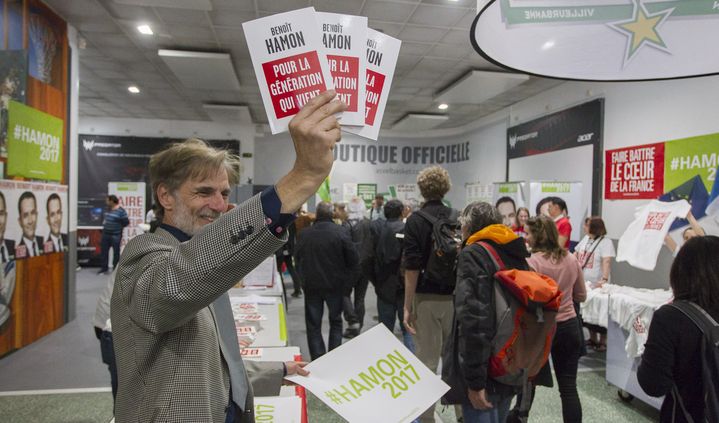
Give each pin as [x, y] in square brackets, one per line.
[315, 130]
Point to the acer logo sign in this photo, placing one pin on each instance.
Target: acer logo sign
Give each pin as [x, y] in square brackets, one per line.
[585, 137]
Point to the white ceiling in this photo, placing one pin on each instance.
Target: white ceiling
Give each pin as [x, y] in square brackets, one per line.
[435, 53]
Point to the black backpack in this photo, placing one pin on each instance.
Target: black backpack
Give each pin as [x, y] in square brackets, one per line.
[710, 360]
[441, 268]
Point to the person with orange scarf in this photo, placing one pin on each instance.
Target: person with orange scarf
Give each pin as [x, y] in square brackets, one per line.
[487, 400]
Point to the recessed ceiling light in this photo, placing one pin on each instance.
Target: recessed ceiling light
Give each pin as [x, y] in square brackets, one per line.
[133, 89]
[443, 106]
[145, 29]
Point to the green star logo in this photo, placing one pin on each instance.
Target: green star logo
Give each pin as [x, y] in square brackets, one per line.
[642, 30]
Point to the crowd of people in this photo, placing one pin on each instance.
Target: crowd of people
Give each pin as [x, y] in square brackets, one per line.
[434, 271]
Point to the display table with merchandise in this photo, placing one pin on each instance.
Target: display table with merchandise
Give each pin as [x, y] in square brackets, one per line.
[260, 320]
[629, 313]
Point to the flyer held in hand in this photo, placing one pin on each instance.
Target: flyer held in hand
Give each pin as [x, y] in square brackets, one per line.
[297, 55]
[373, 377]
[344, 38]
[289, 62]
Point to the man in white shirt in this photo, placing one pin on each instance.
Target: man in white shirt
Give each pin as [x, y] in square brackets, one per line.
[55, 242]
[29, 245]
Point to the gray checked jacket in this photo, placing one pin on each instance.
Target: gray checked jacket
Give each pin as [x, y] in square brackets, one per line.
[169, 364]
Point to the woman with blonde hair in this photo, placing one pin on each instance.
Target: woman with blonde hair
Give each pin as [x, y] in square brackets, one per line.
[550, 258]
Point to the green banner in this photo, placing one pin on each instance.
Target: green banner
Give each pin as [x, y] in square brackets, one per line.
[556, 187]
[34, 143]
[324, 190]
[602, 13]
[688, 157]
[367, 192]
[392, 191]
[508, 188]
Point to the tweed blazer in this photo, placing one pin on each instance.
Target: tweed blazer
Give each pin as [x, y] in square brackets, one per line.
[169, 364]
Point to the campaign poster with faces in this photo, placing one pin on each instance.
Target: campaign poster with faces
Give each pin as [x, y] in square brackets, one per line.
[33, 219]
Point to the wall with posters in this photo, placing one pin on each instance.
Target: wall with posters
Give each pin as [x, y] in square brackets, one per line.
[470, 158]
[104, 161]
[34, 131]
[634, 114]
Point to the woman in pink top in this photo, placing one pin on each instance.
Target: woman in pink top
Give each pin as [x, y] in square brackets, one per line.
[549, 258]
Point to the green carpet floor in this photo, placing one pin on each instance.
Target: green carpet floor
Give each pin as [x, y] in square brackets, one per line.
[599, 403]
[57, 408]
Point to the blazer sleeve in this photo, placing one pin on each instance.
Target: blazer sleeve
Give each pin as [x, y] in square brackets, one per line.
[164, 284]
[265, 377]
[474, 305]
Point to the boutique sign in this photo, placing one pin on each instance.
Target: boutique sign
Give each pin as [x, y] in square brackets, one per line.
[394, 154]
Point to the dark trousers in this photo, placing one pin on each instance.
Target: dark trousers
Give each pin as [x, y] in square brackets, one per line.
[108, 357]
[354, 311]
[314, 309]
[287, 260]
[389, 313]
[109, 240]
[566, 349]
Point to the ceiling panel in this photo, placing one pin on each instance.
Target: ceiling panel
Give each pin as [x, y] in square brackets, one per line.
[333, 6]
[386, 11]
[390, 28]
[437, 15]
[234, 5]
[232, 18]
[436, 52]
[448, 51]
[181, 16]
[422, 34]
[276, 6]
[458, 37]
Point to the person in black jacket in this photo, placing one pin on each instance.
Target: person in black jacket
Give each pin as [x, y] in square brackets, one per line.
[324, 257]
[672, 354]
[487, 400]
[284, 255]
[387, 245]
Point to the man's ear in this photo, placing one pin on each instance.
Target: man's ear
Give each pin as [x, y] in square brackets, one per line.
[166, 199]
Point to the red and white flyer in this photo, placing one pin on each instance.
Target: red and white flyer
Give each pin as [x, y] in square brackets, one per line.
[344, 38]
[290, 65]
[382, 52]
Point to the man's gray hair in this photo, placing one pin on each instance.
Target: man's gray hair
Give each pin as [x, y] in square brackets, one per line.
[479, 215]
[324, 211]
[191, 159]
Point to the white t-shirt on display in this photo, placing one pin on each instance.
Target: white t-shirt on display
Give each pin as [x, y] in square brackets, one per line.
[593, 259]
[641, 242]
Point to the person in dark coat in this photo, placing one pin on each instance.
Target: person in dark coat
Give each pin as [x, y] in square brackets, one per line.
[487, 400]
[324, 256]
[672, 354]
[284, 255]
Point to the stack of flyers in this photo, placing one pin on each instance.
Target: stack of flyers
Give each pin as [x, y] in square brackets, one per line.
[299, 54]
[250, 317]
[251, 353]
[244, 308]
